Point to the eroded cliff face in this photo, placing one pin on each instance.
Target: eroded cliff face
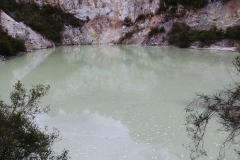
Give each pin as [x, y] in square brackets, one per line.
[216, 13]
[105, 18]
[114, 9]
[106, 21]
[32, 39]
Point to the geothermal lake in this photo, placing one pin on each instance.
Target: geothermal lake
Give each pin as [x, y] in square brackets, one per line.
[123, 102]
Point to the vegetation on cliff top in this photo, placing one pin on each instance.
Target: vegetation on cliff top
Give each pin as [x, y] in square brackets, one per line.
[46, 20]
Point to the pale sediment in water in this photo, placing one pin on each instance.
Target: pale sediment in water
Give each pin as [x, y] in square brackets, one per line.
[122, 102]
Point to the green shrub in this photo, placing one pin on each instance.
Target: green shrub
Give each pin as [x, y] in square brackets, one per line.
[129, 35]
[161, 8]
[127, 22]
[207, 37]
[233, 32]
[182, 35]
[186, 3]
[162, 30]
[194, 3]
[170, 5]
[171, 2]
[142, 17]
[224, 1]
[10, 46]
[155, 31]
[179, 35]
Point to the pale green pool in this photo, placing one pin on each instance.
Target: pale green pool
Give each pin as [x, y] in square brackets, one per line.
[122, 102]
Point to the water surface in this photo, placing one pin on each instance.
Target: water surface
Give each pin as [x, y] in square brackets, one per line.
[122, 102]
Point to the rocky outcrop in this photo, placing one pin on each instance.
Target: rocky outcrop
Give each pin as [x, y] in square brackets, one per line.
[106, 21]
[114, 9]
[19, 30]
[215, 13]
[105, 18]
[72, 36]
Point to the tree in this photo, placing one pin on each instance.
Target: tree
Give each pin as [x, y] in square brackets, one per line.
[225, 106]
[20, 136]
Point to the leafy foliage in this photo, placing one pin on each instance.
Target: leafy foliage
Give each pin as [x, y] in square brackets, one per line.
[179, 35]
[10, 46]
[20, 137]
[171, 2]
[162, 8]
[164, 5]
[233, 32]
[186, 3]
[155, 30]
[193, 3]
[46, 20]
[129, 35]
[127, 22]
[182, 35]
[142, 17]
[225, 106]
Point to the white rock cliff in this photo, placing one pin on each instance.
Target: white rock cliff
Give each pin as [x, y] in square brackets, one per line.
[106, 18]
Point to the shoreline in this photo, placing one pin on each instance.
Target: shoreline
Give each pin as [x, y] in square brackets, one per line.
[231, 49]
[2, 58]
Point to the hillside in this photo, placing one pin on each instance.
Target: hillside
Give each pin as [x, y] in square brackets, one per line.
[203, 24]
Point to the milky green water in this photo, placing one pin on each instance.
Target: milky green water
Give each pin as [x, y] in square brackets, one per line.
[122, 102]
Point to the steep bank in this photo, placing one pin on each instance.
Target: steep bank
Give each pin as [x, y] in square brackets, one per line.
[131, 21]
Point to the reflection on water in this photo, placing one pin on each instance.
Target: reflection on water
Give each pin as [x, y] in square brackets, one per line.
[103, 136]
[34, 60]
[122, 102]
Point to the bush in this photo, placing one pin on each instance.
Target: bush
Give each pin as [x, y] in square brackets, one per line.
[182, 35]
[155, 31]
[233, 32]
[127, 22]
[161, 8]
[10, 46]
[129, 35]
[20, 137]
[162, 30]
[186, 3]
[166, 5]
[142, 17]
[179, 35]
[171, 2]
[206, 36]
[194, 3]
